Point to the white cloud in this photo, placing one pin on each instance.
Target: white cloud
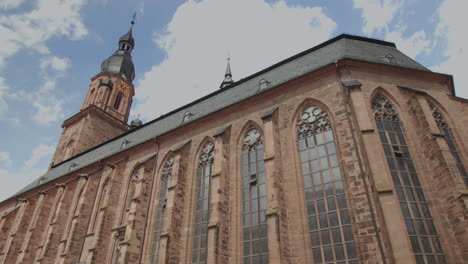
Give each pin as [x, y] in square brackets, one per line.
[377, 14]
[3, 94]
[202, 33]
[452, 24]
[5, 159]
[31, 30]
[413, 45]
[55, 63]
[7, 4]
[39, 153]
[15, 181]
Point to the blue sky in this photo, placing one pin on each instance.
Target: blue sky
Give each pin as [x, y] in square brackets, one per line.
[49, 50]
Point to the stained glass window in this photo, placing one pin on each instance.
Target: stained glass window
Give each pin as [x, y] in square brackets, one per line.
[166, 176]
[328, 217]
[419, 223]
[448, 135]
[202, 200]
[255, 241]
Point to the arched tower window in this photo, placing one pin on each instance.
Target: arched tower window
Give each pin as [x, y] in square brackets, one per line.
[419, 223]
[205, 164]
[166, 176]
[448, 135]
[329, 223]
[255, 242]
[117, 101]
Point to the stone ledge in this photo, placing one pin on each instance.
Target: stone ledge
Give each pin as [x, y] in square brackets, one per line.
[118, 228]
[367, 130]
[385, 190]
[272, 212]
[217, 174]
[164, 234]
[269, 157]
[213, 224]
[437, 134]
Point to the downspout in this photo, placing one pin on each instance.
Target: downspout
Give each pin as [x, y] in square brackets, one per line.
[366, 186]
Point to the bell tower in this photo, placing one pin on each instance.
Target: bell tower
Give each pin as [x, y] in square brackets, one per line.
[106, 108]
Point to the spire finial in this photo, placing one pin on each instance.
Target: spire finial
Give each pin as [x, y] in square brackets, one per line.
[228, 75]
[133, 19]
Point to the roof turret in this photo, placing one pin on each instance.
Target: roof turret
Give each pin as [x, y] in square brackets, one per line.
[227, 76]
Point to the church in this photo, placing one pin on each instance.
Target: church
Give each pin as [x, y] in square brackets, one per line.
[348, 152]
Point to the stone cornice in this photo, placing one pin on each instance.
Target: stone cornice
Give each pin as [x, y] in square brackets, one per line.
[92, 109]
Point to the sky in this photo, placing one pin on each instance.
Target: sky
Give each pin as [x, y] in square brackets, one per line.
[49, 50]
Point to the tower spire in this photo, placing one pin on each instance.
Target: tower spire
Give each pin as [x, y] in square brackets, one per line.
[121, 61]
[227, 76]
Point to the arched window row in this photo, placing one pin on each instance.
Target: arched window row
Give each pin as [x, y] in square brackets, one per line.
[419, 223]
[449, 137]
[328, 217]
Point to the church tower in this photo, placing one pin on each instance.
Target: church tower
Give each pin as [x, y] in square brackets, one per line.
[106, 108]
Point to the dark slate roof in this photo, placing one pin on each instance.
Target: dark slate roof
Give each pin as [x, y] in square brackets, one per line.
[338, 48]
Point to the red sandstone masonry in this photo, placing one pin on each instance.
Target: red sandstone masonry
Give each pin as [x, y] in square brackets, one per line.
[444, 178]
[442, 183]
[18, 231]
[48, 249]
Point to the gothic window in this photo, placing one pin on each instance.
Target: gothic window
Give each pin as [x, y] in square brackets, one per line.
[419, 223]
[448, 135]
[255, 242]
[117, 101]
[205, 164]
[166, 176]
[328, 217]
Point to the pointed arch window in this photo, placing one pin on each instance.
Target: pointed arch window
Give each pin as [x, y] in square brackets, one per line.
[255, 242]
[329, 223]
[160, 216]
[448, 135]
[419, 223]
[205, 164]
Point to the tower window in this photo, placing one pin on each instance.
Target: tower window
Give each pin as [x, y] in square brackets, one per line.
[118, 99]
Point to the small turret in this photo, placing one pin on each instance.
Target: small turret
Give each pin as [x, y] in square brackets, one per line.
[227, 76]
[136, 122]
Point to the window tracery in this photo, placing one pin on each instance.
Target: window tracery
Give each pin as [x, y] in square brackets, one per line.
[423, 236]
[328, 217]
[255, 241]
[450, 139]
[166, 175]
[202, 200]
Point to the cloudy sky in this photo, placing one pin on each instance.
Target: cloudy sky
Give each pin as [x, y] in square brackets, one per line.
[49, 50]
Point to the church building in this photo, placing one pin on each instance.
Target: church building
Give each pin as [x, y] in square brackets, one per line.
[349, 152]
